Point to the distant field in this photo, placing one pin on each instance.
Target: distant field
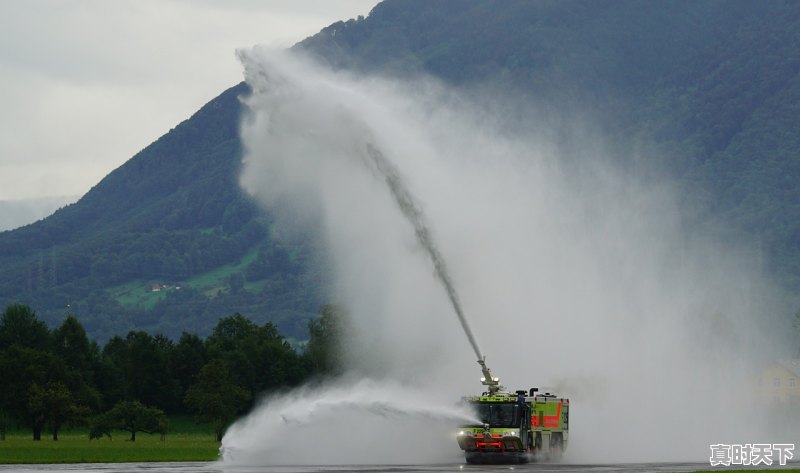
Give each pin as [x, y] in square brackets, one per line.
[194, 443]
[216, 278]
[138, 294]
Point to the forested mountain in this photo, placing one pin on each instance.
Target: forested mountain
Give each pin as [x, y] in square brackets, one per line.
[16, 213]
[166, 242]
[706, 91]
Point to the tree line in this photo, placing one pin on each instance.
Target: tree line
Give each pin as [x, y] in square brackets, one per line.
[59, 377]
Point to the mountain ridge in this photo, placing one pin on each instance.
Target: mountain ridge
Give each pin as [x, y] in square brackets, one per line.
[172, 212]
[707, 91]
[694, 90]
[21, 212]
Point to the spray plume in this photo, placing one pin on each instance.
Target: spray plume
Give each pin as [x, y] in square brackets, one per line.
[587, 281]
[346, 415]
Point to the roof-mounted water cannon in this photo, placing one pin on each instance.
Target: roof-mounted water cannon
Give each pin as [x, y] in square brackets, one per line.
[491, 382]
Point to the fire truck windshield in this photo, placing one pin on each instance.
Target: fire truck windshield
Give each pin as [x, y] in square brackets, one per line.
[498, 414]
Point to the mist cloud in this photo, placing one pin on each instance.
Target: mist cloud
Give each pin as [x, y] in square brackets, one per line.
[587, 282]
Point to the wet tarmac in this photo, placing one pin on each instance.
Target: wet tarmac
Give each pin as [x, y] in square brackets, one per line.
[204, 467]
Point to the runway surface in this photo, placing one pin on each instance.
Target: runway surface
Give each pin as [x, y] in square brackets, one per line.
[203, 467]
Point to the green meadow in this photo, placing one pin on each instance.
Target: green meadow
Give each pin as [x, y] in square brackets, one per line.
[188, 442]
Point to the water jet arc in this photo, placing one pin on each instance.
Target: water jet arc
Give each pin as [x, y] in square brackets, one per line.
[411, 211]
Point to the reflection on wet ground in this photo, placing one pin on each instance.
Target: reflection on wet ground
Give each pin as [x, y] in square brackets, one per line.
[204, 467]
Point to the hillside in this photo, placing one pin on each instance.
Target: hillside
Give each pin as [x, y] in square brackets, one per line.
[16, 213]
[165, 242]
[706, 93]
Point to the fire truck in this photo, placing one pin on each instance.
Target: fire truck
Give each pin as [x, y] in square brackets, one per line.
[514, 427]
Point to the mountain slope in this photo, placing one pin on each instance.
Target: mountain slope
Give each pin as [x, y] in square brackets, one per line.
[704, 92]
[172, 216]
[16, 213]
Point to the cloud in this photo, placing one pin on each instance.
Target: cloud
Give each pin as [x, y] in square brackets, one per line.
[87, 84]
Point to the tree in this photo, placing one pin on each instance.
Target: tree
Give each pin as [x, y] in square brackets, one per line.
[20, 326]
[37, 409]
[20, 369]
[5, 419]
[133, 416]
[144, 368]
[229, 332]
[111, 379]
[162, 427]
[139, 369]
[188, 357]
[216, 398]
[101, 425]
[38, 386]
[322, 350]
[73, 346]
[82, 359]
[277, 364]
[55, 405]
[259, 358]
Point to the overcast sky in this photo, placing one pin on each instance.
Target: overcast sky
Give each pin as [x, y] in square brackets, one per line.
[85, 84]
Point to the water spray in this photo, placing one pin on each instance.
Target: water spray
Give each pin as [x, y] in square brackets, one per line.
[651, 293]
[377, 162]
[411, 211]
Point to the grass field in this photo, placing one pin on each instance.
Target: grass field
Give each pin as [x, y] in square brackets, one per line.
[186, 442]
[216, 278]
[138, 294]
